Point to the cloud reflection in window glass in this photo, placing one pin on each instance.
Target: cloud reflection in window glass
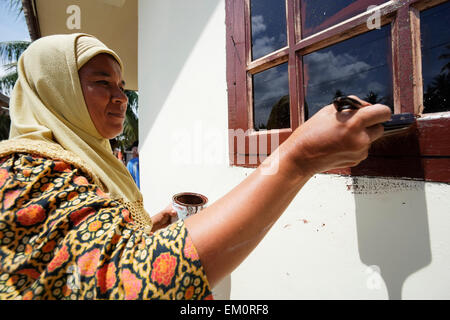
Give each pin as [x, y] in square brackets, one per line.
[268, 19]
[359, 66]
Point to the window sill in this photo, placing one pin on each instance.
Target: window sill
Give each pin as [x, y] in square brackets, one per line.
[422, 153]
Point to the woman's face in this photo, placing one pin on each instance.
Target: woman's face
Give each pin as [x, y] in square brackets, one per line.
[103, 90]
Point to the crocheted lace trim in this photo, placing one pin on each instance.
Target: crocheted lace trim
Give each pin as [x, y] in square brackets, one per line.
[138, 214]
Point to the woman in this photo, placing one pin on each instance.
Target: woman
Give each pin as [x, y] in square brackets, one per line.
[72, 223]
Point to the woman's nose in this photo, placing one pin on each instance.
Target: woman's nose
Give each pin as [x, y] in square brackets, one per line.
[119, 96]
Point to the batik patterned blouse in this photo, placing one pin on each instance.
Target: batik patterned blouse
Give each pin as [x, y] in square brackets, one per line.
[61, 237]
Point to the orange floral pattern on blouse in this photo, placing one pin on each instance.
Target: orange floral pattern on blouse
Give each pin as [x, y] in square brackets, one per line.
[164, 269]
[61, 237]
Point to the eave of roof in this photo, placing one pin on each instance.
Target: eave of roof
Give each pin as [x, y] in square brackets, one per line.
[46, 17]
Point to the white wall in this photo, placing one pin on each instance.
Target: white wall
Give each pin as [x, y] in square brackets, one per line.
[338, 231]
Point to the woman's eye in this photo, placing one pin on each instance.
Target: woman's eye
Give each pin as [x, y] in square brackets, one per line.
[103, 82]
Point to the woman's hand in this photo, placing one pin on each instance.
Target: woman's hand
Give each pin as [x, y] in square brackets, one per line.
[331, 139]
[163, 218]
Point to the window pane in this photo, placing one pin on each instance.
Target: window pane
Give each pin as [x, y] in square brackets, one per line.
[318, 15]
[436, 58]
[359, 66]
[268, 26]
[271, 99]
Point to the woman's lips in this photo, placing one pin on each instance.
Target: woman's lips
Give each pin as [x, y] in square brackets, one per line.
[117, 115]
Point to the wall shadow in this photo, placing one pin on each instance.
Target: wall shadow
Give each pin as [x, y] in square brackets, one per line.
[168, 33]
[392, 228]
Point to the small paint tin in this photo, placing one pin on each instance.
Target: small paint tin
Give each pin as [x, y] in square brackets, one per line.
[188, 203]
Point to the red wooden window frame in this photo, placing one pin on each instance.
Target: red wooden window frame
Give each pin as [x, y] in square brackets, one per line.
[423, 153]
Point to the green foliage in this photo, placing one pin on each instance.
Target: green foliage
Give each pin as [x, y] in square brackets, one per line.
[372, 98]
[437, 94]
[130, 132]
[130, 127]
[7, 82]
[10, 52]
[436, 97]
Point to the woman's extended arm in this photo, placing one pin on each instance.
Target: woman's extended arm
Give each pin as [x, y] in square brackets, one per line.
[227, 231]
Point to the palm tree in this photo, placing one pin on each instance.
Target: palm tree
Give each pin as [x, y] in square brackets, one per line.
[130, 132]
[10, 52]
[372, 97]
[437, 95]
[130, 126]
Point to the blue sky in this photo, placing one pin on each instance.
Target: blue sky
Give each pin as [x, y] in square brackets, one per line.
[11, 26]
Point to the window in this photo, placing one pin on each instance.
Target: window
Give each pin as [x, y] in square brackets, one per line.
[288, 58]
[435, 33]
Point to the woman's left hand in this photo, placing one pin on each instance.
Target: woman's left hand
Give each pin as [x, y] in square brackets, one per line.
[163, 218]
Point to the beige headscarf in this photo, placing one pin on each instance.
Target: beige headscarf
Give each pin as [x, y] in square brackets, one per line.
[49, 115]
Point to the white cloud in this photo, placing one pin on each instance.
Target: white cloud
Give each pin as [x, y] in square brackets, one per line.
[329, 72]
[326, 67]
[375, 87]
[274, 84]
[263, 46]
[258, 24]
